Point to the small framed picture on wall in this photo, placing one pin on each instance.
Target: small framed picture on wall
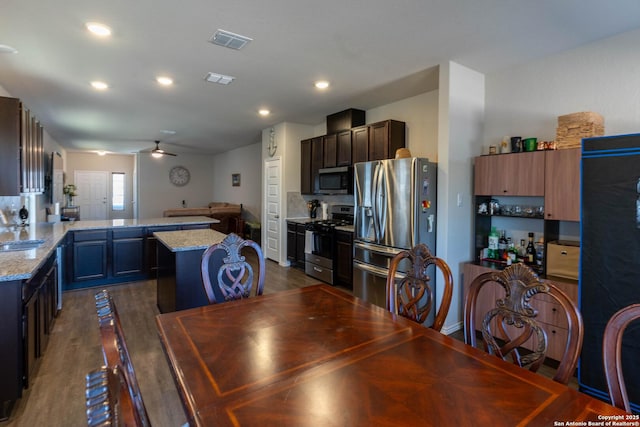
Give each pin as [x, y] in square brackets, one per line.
[235, 179]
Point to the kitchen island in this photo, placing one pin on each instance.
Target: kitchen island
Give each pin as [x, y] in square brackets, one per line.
[179, 281]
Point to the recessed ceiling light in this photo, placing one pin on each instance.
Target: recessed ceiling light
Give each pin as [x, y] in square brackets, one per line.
[99, 85]
[218, 78]
[164, 81]
[229, 39]
[98, 29]
[264, 112]
[322, 84]
[7, 49]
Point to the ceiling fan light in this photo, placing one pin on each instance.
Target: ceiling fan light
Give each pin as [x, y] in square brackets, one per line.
[156, 154]
[98, 29]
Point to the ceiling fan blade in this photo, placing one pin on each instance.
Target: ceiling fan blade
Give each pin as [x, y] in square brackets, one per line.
[160, 151]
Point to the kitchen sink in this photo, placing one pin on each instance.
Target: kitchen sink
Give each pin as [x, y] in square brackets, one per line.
[20, 245]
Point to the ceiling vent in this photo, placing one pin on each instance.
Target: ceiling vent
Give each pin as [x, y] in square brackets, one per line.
[229, 39]
[218, 78]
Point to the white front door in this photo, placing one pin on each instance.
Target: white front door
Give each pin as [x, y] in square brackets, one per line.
[272, 209]
[92, 188]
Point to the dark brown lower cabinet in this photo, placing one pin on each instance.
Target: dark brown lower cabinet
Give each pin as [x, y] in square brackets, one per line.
[343, 262]
[28, 310]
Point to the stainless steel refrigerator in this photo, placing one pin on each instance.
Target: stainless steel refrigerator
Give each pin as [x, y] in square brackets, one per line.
[395, 209]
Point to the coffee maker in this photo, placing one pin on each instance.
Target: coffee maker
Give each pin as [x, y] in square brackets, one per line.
[312, 206]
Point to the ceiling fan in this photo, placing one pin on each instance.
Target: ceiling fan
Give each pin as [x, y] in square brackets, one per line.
[159, 152]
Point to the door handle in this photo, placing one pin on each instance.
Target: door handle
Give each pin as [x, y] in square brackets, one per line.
[276, 216]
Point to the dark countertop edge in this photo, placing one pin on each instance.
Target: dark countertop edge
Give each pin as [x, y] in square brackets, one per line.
[301, 220]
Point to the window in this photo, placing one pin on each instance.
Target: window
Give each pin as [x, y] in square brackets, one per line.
[117, 191]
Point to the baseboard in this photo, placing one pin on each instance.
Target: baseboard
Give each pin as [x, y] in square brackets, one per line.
[448, 330]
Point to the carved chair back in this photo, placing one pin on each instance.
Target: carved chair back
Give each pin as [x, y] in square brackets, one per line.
[235, 277]
[412, 296]
[109, 401]
[512, 322]
[612, 354]
[115, 351]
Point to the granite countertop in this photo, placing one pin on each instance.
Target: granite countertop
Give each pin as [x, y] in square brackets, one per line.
[189, 240]
[20, 265]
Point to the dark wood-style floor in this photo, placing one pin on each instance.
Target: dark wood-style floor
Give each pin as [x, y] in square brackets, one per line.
[56, 394]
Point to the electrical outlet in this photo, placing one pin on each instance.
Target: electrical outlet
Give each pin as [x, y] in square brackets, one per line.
[459, 200]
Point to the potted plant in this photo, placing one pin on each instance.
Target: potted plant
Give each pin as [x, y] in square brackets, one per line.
[70, 191]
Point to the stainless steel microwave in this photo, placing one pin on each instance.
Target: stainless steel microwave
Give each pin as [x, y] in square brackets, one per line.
[335, 180]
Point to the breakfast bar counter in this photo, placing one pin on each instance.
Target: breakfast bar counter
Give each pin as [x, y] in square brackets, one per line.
[178, 278]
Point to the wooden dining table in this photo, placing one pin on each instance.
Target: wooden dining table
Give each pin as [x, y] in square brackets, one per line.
[317, 356]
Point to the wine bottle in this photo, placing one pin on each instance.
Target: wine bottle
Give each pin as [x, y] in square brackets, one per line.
[531, 251]
[502, 246]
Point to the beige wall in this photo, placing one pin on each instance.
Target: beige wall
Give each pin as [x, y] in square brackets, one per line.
[77, 161]
[155, 191]
[246, 162]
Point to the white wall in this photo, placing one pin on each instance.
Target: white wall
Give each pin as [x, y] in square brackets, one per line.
[460, 117]
[156, 193]
[603, 77]
[246, 162]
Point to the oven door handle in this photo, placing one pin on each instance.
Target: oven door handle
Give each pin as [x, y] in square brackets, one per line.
[308, 241]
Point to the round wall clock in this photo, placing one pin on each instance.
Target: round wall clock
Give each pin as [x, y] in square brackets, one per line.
[179, 176]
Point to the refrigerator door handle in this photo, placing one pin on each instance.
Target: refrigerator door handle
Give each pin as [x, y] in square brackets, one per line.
[374, 204]
[384, 208]
[382, 250]
[376, 271]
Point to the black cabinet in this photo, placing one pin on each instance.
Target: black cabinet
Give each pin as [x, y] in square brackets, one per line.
[330, 146]
[385, 138]
[28, 310]
[343, 148]
[128, 252]
[151, 245]
[343, 268]
[89, 255]
[376, 141]
[305, 167]
[115, 255]
[21, 150]
[295, 244]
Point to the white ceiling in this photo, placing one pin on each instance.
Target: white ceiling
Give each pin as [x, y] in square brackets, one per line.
[373, 52]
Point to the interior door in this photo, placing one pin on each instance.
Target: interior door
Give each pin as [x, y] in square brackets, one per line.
[92, 194]
[271, 247]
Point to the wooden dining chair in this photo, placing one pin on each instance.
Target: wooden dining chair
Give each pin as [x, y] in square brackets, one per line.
[235, 277]
[413, 295]
[612, 354]
[109, 401]
[115, 351]
[512, 322]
